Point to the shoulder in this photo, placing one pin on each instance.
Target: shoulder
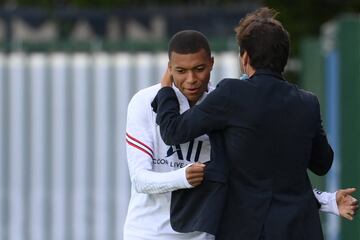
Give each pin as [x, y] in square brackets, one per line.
[139, 111]
[310, 100]
[308, 96]
[228, 83]
[144, 97]
[231, 85]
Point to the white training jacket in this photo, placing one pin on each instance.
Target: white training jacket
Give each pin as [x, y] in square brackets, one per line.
[156, 169]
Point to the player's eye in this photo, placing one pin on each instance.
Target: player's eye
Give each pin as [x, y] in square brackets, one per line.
[200, 69]
[180, 70]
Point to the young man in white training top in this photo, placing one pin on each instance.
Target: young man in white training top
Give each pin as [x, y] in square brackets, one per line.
[157, 169]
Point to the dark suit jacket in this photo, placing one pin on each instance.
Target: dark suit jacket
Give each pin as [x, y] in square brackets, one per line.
[269, 133]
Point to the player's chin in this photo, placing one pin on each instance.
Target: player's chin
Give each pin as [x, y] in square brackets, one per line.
[192, 97]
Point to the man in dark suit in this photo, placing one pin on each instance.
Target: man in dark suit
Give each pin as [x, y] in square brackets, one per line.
[268, 132]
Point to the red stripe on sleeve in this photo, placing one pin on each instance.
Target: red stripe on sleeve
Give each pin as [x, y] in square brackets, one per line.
[138, 141]
[141, 149]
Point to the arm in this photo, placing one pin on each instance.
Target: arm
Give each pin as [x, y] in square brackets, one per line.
[209, 115]
[339, 203]
[322, 154]
[327, 201]
[150, 182]
[140, 154]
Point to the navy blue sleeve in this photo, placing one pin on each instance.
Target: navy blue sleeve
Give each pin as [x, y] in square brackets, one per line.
[322, 154]
[211, 114]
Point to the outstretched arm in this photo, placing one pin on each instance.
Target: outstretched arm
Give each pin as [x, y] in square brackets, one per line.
[347, 204]
[340, 202]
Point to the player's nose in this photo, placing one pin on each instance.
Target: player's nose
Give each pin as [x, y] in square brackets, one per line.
[191, 77]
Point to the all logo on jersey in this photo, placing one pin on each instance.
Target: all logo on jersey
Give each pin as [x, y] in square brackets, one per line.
[189, 153]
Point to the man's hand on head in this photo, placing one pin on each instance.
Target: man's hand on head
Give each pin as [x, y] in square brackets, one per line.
[195, 174]
[347, 204]
[167, 79]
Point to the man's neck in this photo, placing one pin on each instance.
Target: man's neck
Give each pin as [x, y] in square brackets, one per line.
[251, 71]
[192, 103]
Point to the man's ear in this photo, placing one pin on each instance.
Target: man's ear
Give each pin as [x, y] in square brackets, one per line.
[212, 62]
[246, 58]
[169, 67]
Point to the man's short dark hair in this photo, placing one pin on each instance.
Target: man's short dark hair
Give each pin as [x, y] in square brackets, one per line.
[188, 41]
[264, 39]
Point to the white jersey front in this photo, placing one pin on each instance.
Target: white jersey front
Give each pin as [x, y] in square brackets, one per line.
[156, 169]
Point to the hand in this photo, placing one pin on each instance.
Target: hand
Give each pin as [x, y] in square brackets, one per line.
[347, 204]
[195, 174]
[167, 79]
